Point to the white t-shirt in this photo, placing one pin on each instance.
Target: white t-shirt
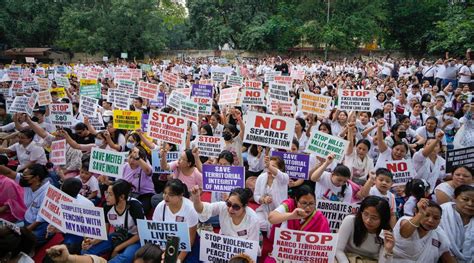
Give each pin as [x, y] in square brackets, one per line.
[186, 213]
[426, 169]
[326, 190]
[422, 132]
[90, 186]
[389, 197]
[463, 78]
[32, 152]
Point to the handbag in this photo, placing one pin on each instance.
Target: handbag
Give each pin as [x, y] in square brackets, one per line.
[121, 234]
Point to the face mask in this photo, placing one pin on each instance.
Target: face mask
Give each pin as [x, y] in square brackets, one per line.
[99, 142]
[24, 183]
[402, 134]
[448, 117]
[389, 94]
[107, 119]
[227, 136]
[130, 145]
[35, 119]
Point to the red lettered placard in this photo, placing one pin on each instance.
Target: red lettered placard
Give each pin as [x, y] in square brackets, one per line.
[167, 127]
[269, 130]
[147, 90]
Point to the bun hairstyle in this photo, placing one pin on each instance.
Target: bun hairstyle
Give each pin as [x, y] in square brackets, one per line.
[364, 141]
[177, 187]
[228, 156]
[244, 195]
[12, 243]
[417, 188]
[149, 253]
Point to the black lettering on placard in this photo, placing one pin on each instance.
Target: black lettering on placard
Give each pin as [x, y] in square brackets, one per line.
[459, 157]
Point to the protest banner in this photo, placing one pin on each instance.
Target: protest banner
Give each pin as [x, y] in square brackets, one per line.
[204, 104]
[287, 107]
[62, 81]
[269, 130]
[315, 104]
[170, 79]
[202, 91]
[229, 96]
[31, 103]
[61, 92]
[147, 90]
[285, 80]
[336, 211]
[167, 127]
[279, 92]
[189, 109]
[58, 152]
[124, 55]
[43, 83]
[106, 162]
[234, 80]
[136, 73]
[270, 76]
[355, 100]
[302, 246]
[61, 114]
[44, 98]
[127, 119]
[181, 84]
[217, 178]
[218, 76]
[402, 172]
[88, 107]
[249, 84]
[157, 232]
[128, 85]
[210, 146]
[120, 98]
[30, 60]
[253, 97]
[30, 83]
[155, 161]
[93, 73]
[297, 74]
[40, 72]
[296, 165]
[175, 99]
[19, 104]
[13, 75]
[90, 88]
[145, 121]
[146, 67]
[84, 221]
[160, 100]
[221, 248]
[97, 122]
[50, 209]
[461, 156]
[185, 91]
[323, 144]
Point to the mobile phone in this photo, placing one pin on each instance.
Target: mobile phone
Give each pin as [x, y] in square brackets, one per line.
[172, 249]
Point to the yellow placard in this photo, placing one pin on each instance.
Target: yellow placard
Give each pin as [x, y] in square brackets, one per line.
[87, 82]
[127, 119]
[61, 92]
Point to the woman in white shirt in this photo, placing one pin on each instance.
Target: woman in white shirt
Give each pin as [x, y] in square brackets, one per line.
[418, 238]
[300, 134]
[428, 164]
[462, 175]
[176, 207]
[332, 186]
[357, 159]
[359, 234]
[458, 223]
[236, 219]
[271, 189]
[27, 151]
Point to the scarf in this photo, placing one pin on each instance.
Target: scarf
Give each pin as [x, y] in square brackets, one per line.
[12, 196]
[462, 239]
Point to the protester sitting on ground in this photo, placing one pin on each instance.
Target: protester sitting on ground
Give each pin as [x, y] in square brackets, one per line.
[462, 175]
[27, 151]
[12, 205]
[357, 158]
[332, 186]
[458, 223]
[359, 235]
[60, 254]
[16, 244]
[184, 168]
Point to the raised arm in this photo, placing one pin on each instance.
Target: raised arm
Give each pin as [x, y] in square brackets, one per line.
[7, 172]
[408, 227]
[319, 171]
[36, 128]
[380, 141]
[148, 144]
[429, 147]
[350, 137]
[163, 162]
[197, 160]
[196, 198]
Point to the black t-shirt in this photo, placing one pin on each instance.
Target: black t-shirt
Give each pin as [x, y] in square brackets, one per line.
[84, 140]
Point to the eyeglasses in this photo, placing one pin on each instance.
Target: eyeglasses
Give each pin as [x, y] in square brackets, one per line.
[367, 216]
[234, 207]
[304, 204]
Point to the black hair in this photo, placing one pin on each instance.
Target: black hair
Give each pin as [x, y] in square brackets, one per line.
[149, 253]
[232, 129]
[302, 123]
[208, 129]
[378, 113]
[227, 155]
[85, 165]
[139, 99]
[244, 195]
[177, 187]
[448, 110]
[190, 157]
[327, 125]
[416, 188]
[395, 144]
[30, 134]
[253, 149]
[364, 141]
[80, 126]
[384, 96]
[403, 117]
[302, 191]
[395, 127]
[382, 207]
[12, 243]
[136, 138]
[217, 116]
[432, 203]
[462, 188]
[432, 118]
[384, 171]
[72, 186]
[344, 171]
[121, 187]
[469, 169]
[280, 163]
[3, 160]
[296, 142]
[39, 170]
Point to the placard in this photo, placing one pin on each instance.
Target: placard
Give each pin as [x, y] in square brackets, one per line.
[50, 209]
[160, 100]
[170, 79]
[31, 103]
[167, 127]
[127, 119]
[315, 104]
[217, 178]
[335, 212]
[218, 76]
[322, 144]
[355, 100]
[234, 80]
[128, 85]
[88, 106]
[279, 92]
[123, 55]
[253, 97]
[43, 83]
[155, 160]
[156, 233]
[19, 104]
[61, 114]
[302, 246]
[84, 221]
[44, 98]
[296, 165]
[147, 90]
[229, 96]
[286, 80]
[189, 109]
[90, 88]
[120, 98]
[106, 162]
[210, 146]
[58, 152]
[269, 130]
[270, 76]
[286, 106]
[175, 99]
[62, 81]
[250, 84]
[402, 171]
[461, 156]
[30, 60]
[297, 74]
[203, 95]
[60, 91]
[221, 248]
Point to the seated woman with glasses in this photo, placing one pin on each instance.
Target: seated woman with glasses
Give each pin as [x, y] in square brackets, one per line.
[236, 219]
[298, 213]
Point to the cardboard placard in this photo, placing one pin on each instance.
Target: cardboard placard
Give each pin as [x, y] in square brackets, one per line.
[106, 162]
[167, 127]
[286, 106]
[62, 81]
[88, 106]
[218, 76]
[160, 100]
[269, 130]
[253, 97]
[61, 114]
[323, 144]
[156, 233]
[270, 76]
[302, 246]
[217, 178]
[203, 95]
[210, 146]
[84, 221]
[31, 103]
[60, 91]
[58, 152]
[50, 209]
[147, 90]
[286, 80]
[335, 212]
[128, 85]
[19, 105]
[462, 156]
[229, 96]
[30, 60]
[190, 110]
[155, 160]
[127, 119]
[297, 74]
[90, 88]
[355, 100]
[315, 104]
[402, 171]
[120, 98]
[44, 83]
[250, 84]
[220, 248]
[170, 79]
[279, 92]
[234, 80]
[175, 99]
[44, 98]
[296, 165]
